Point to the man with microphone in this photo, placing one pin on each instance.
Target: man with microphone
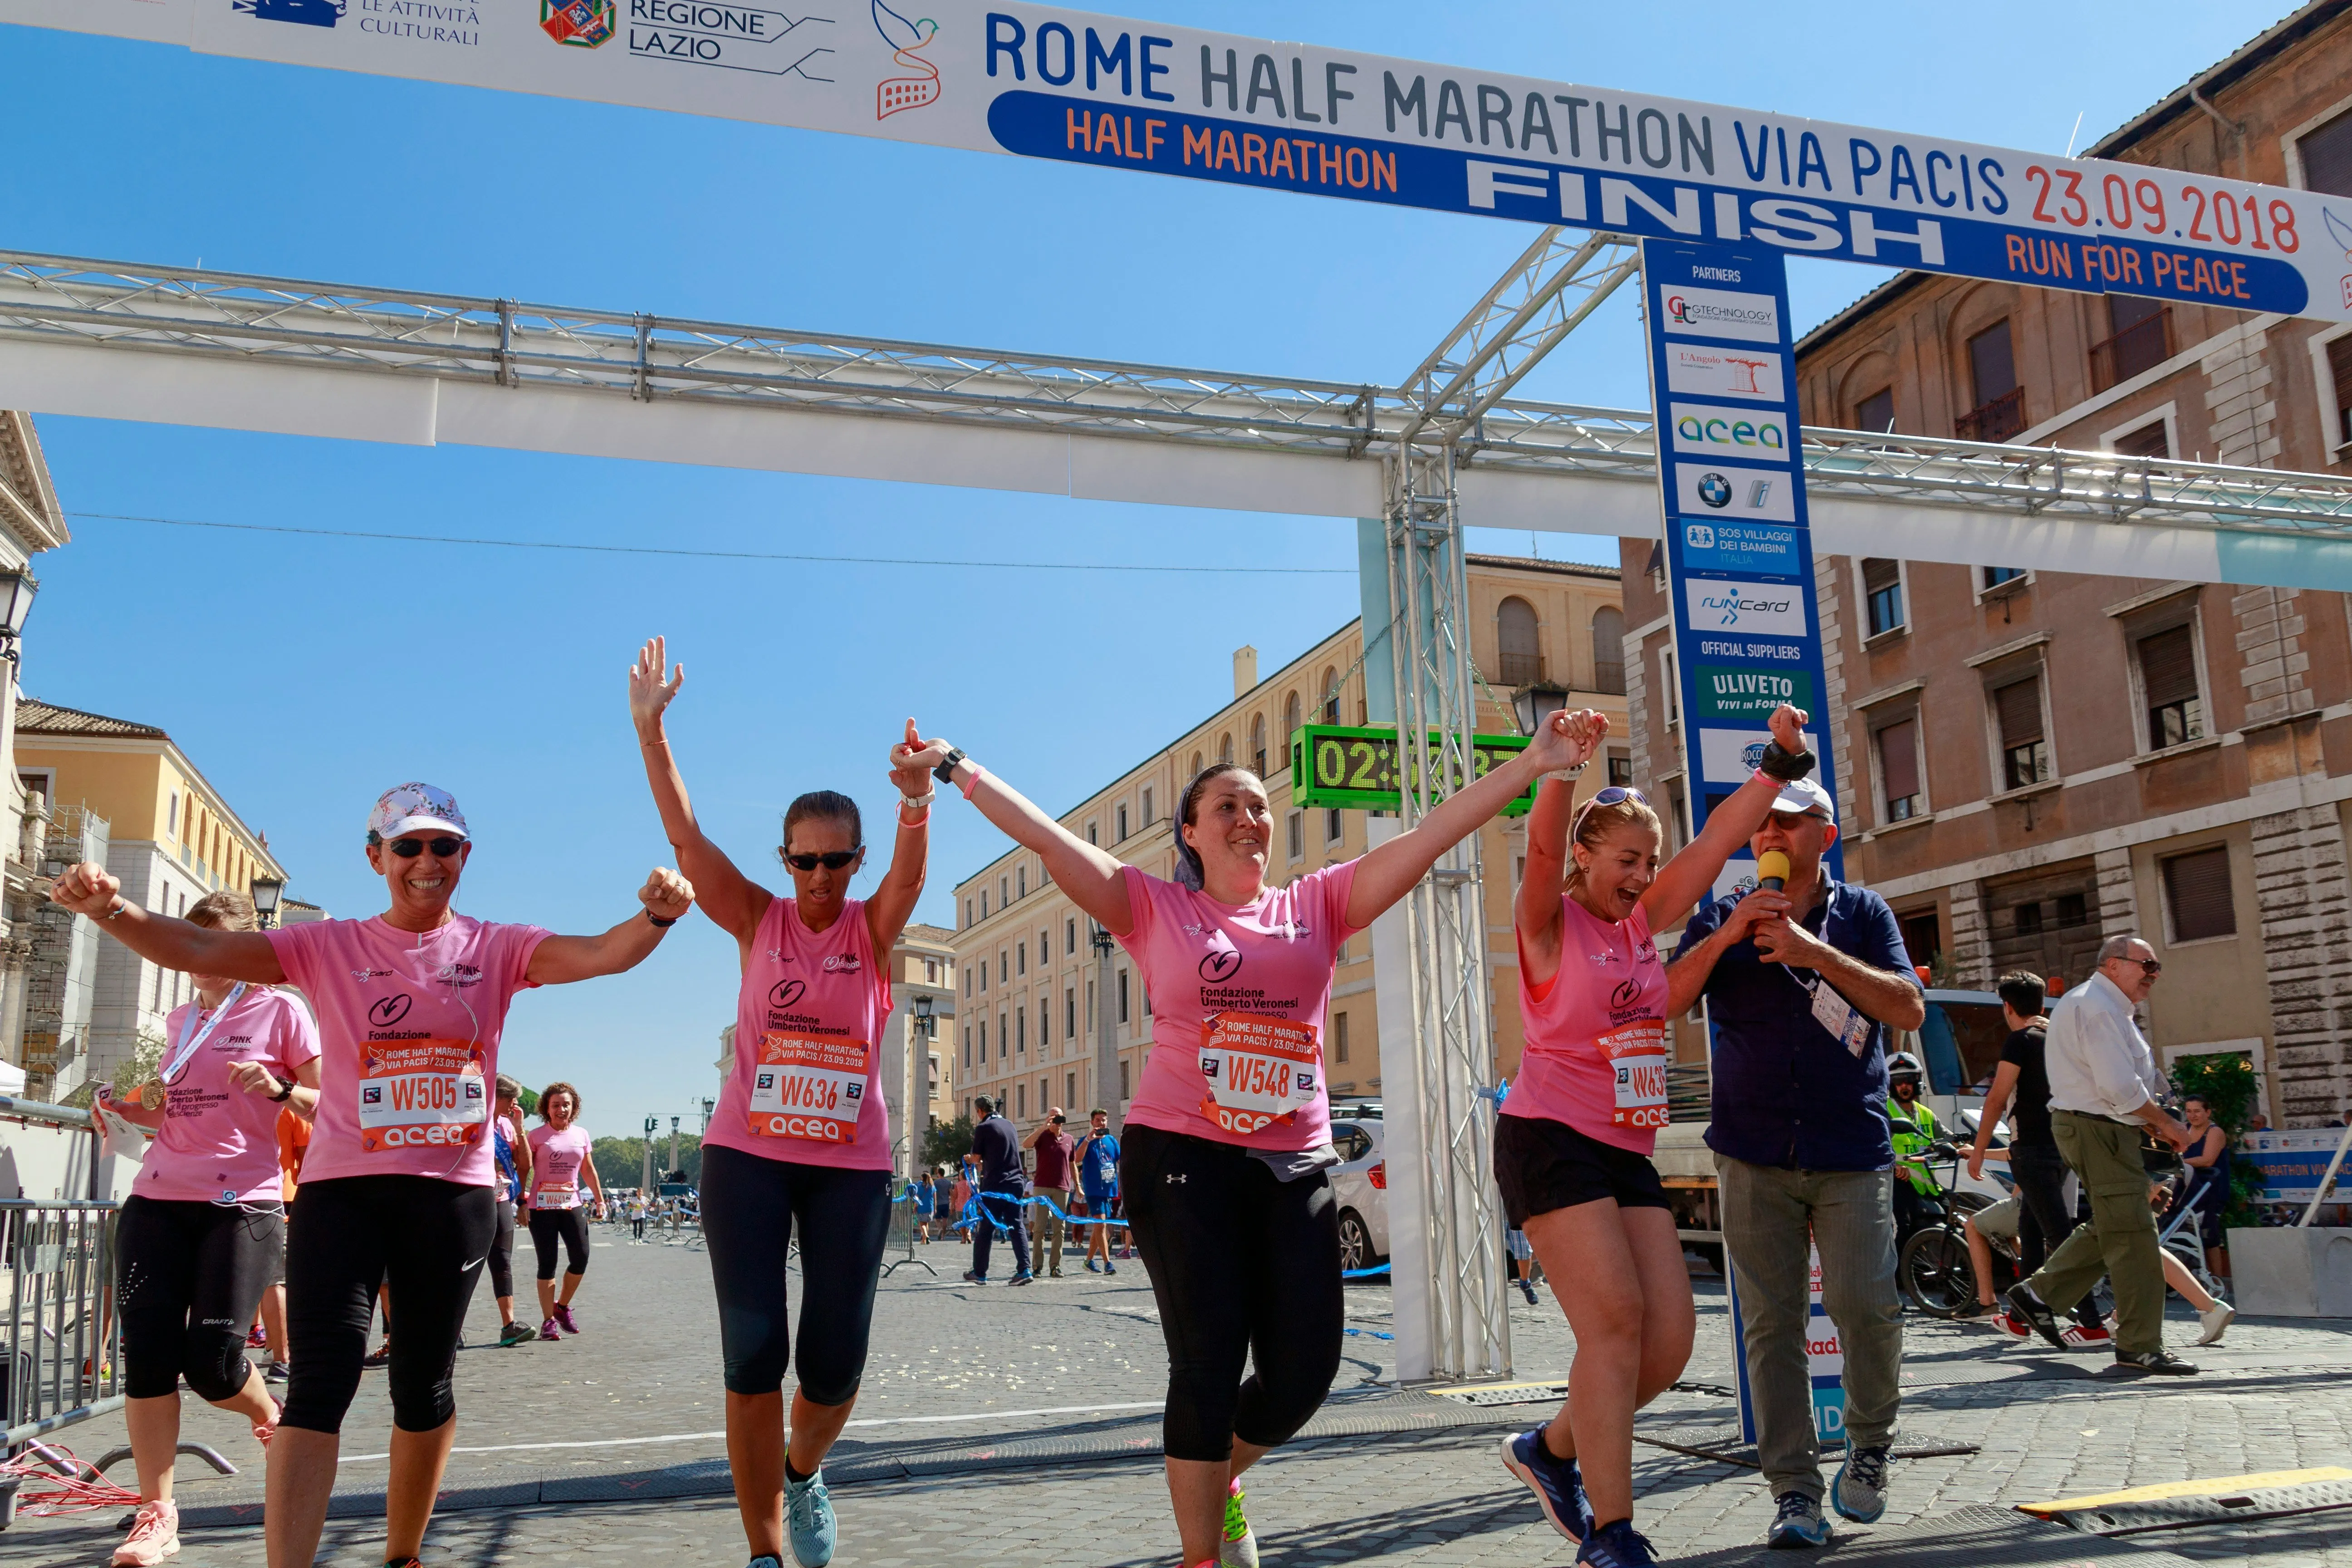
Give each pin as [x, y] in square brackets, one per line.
[1802, 978]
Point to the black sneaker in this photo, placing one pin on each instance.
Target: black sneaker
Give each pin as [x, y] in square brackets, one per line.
[972, 1278]
[2139, 1363]
[2036, 1313]
[1024, 1278]
[1976, 1309]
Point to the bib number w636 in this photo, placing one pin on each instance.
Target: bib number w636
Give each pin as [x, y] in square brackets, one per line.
[809, 1089]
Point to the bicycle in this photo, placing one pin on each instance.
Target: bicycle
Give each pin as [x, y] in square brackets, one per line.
[1933, 1269]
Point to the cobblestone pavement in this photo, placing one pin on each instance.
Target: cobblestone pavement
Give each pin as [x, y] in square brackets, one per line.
[958, 1368]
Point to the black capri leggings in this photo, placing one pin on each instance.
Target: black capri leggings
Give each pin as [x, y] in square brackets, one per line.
[749, 1205]
[1242, 1265]
[192, 1275]
[423, 1237]
[502, 1251]
[569, 1224]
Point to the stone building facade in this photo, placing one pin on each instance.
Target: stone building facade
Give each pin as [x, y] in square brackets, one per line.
[40, 962]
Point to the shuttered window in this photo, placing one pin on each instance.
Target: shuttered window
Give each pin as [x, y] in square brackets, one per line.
[2025, 752]
[2197, 890]
[1898, 769]
[2167, 669]
[2326, 157]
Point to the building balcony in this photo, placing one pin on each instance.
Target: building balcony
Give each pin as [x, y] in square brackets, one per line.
[2141, 346]
[1995, 421]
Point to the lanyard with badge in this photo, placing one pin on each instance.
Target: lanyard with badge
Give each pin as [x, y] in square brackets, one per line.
[1833, 1012]
[192, 1039]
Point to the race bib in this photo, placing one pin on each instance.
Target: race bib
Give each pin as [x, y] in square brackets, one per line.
[809, 1089]
[1835, 1014]
[556, 1195]
[1636, 1056]
[422, 1093]
[1259, 1070]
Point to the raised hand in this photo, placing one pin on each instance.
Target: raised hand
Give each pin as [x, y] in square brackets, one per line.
[85, 890]
[908, 771]
[1568, 739]
[1788, 728]
[666, 895]
[652, 687]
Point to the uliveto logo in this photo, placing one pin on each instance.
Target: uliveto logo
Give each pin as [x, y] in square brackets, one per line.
[1768, 609]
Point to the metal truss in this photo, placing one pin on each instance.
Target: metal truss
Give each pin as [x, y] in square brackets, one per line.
[1458, 397]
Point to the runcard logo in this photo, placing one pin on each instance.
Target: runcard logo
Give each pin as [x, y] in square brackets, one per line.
[1719, 313]
[1768, 609]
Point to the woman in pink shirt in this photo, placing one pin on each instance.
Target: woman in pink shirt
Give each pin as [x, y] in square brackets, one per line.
[1573, 1140]
[398, 1186]
[800, 1142]
[204, 1228]
[560, 1166]
[1229, 1134]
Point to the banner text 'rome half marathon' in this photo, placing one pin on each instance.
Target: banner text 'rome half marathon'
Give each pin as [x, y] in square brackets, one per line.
[1738, 544]
[1046, 83]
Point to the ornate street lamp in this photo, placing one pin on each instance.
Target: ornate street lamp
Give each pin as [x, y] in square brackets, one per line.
[1531, 705]
[16, 591]
[266, 891]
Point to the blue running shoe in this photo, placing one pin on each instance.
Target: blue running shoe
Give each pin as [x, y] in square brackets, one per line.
[1617, 1545]
[808, 1517]
[1799, 1523]
[1859, 1491]
[765, 1559]
[1558, 1484]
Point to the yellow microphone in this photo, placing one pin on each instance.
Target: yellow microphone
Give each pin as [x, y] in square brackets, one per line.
[1772, 871]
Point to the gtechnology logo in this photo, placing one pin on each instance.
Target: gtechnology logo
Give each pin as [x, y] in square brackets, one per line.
[579, 23]
[1721, 313]
[1766, 609]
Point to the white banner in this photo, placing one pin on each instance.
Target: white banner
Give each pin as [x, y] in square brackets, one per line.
[1051, 83]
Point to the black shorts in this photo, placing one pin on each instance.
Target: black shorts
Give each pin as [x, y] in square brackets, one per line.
[1542, 1166]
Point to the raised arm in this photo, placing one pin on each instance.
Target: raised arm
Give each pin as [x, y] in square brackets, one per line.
[1536, 910]
[1387, 873]
[1683, 880]
[561, 960]
[1095, 881]
[87, 889]
[892, 903]
[730, 898]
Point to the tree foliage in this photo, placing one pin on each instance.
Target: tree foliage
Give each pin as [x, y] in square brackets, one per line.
[947, 1142]
[2225, 1082]
[621, 1161]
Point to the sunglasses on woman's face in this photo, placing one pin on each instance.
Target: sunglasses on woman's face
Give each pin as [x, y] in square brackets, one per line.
[410, 848]
[834, 860]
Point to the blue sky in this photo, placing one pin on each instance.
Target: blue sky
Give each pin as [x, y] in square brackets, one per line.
[305, 675]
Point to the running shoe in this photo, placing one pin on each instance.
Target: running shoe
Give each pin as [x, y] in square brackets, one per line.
[254, 1340]
[1238, 1546]
[1976, 1309]
[278, 1373]
[516, 1333]
[380, 1356]
[972, 1278]
[2015, 1327]
[1859, 1491]
[154, 1535]
[1528, 1288]
[2079, 1338]
[1799, 1523]
[564, 1319]
[1092, 1267]
[1558, 1484]
[765, 1559]
[1109, 1267]
[2138, 1363]
[1618, 1545]
[808, 1518]
[2217, 1319]
[2036, 1313]
[547, 1331]
[1024, 1278]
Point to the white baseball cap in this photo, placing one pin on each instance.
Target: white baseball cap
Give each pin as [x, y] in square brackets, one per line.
[1806, 794]
[411, 806]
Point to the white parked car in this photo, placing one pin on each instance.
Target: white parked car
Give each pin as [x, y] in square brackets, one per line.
[1360, 1182]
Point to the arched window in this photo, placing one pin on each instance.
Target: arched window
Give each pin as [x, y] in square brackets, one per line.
[1198, 761]
[1521, 644]
[1609, 649]
[1331, 696]
[1257, 744]
[1289, 717]
[1225, 748]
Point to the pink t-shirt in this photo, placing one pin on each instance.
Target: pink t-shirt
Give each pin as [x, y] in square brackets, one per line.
[1596, 1038]
[807, 1084]
[1237, 1001]
[411, 1024]
[218, 1142]
[555, 1161]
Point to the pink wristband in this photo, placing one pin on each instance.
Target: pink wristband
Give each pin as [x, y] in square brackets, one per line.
[973, 783]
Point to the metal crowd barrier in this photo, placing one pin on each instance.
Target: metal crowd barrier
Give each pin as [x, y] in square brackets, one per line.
[62, 1340]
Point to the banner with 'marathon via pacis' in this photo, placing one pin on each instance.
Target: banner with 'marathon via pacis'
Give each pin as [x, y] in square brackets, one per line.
[1146, 96]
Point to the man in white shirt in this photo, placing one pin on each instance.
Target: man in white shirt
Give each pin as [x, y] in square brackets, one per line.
[2103, 1089]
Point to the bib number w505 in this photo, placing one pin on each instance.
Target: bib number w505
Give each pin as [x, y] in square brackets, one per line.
[422, 1094]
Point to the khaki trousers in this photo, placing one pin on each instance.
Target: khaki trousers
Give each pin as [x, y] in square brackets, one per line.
[2120, 1241]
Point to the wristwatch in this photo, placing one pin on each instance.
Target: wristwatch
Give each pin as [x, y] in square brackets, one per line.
[1784, 765]
[945, 772]
[285, 1091]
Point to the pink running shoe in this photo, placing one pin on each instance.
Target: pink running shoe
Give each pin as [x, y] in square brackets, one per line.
[564, 1319]
[154, 1535]
[547, 1331]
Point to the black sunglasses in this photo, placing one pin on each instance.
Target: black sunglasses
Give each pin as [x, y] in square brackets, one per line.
[833, 860]
[410, 848]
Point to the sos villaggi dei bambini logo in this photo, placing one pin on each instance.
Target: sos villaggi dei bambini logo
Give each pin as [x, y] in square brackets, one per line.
[579, 23]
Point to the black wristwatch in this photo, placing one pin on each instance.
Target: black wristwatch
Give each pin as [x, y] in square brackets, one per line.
[945, 772]
[285, 1091]
[1784, 765]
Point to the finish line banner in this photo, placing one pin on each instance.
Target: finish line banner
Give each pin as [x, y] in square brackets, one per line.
[1045, 83]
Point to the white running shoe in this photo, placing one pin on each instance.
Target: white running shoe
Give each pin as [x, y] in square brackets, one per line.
[154, 1535]
[2217, 1321]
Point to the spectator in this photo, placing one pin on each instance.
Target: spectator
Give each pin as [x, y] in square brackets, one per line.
[1913, 1180]
[2208, 1192]
[2103, 1089]
[1098, 1164]
[1051, 1146]
[1523, 1259]
[1803, 985]
[2020, 1091]
[1002, 1187]
[925, 1197]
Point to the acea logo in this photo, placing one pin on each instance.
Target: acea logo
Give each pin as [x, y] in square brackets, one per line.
[907, 40]
[579, 24]
[1751, 435]
[310, 13]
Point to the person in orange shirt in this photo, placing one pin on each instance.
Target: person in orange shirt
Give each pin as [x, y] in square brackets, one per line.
[293, 1142]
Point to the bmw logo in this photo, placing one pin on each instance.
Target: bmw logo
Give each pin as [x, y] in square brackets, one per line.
[1715, 489]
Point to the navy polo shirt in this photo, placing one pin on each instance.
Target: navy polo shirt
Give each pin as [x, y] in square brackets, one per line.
[1786, 1092]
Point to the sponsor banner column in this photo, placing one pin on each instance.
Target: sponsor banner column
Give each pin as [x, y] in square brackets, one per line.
[1739, 558]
